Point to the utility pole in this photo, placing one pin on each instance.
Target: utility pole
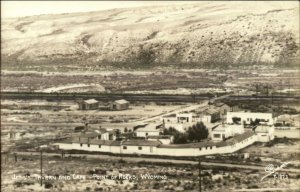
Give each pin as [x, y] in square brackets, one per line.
[200, 188]
[256, 88]
[272, 98]
[41, 168]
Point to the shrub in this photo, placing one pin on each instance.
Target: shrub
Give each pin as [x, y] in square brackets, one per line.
[48, 185]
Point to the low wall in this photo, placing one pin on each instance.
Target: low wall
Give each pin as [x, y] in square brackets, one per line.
[289, 133]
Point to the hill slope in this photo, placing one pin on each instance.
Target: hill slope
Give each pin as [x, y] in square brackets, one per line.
[192, 35]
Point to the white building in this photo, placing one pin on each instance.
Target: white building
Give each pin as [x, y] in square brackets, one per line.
[286, 121]
[101, 134]
[221, 132]
[248, 117]
[169, 119]
[151, 129]
[264, 133]
[180, 121]
[148, 147]
[185, 117]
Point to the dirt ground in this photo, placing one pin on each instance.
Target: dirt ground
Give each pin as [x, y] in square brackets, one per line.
[105, 175]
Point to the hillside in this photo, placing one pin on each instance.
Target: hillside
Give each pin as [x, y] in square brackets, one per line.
[202, 34]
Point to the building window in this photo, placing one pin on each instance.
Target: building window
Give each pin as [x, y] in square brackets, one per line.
[124, 147]
[200, 149]
[140, 148]
[146, 134]
[88, 145]
[80, 144]
[99, 146]
[217, 135]
[210, 147]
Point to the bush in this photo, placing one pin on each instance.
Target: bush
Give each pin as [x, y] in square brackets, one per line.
[197, 132]
[48, 185]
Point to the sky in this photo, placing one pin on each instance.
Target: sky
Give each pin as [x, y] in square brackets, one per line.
[27, 8]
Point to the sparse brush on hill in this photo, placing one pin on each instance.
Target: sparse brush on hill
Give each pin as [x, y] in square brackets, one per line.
[199, 35]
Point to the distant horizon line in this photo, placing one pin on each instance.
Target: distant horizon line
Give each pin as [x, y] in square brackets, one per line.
[9, 7]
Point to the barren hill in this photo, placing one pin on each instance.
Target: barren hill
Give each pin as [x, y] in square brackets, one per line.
[201, 34]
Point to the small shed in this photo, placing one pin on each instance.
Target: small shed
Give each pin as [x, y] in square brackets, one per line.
[121, 104]
[210, 116]
[89, 104]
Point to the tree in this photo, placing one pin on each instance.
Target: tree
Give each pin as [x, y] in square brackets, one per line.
[197, 132]
[179, 138]
[255, 122]
[125, 130]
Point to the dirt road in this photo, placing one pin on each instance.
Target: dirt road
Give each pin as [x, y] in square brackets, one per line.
[147, 159]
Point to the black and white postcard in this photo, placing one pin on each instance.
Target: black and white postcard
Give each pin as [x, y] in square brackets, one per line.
[150, 96]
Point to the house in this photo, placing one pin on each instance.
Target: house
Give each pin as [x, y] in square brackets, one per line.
[101, 134]
[184, 117]
[210, 116]
[108, 135]
[221, 132]
[264, 133]
[223, 108]
[152, 129]
[89, 104]
[164, 139]
[247, 118]
[285, 121]
[169, 118]
[120, 105]
[180, 121]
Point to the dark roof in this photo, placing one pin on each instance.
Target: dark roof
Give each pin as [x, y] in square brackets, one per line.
[222, 144]
[141, 143]
[115, 143]
[219, 104]
[96, 141]
[89, 135]
[159, 136]
[190, 145]
[171, 115]
[151, 127]
[66, 141]
[241, 137]
[211, 111]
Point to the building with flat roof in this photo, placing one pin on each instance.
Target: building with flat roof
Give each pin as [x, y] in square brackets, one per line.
[264, 133]
[152, 129]
[221, 132]
[246, 118]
